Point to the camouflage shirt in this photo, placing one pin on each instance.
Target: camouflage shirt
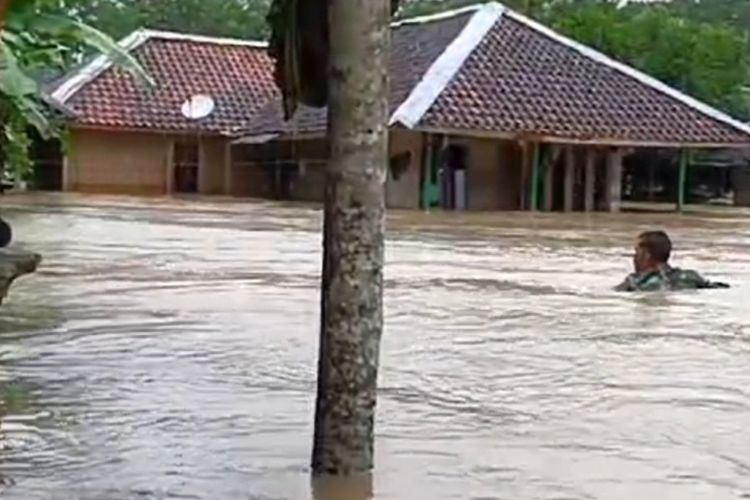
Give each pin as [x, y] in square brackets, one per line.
[666, 278]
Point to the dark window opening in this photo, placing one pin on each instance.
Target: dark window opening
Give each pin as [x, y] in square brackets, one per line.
[186, 166]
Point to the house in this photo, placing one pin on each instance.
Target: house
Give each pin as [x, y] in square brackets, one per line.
[132, 139]
[491, 110]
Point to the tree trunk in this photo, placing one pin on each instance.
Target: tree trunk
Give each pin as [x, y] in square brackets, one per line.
[4, 5]
[352, 287]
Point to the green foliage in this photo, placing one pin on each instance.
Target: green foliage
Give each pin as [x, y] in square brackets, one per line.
[421, 7]
[229, 18]
[33, 40]
[15, 398]
[708, 61]
[735, 13]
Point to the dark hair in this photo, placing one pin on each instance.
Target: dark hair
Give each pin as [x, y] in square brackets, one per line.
[6, 234]
[657, 244]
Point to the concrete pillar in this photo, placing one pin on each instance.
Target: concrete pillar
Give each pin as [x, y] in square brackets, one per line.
[570, 177]
[614, 180]
[590, 181]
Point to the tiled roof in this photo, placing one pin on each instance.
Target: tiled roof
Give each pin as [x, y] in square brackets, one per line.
[414, 47]
[236, 74]
[522, 80]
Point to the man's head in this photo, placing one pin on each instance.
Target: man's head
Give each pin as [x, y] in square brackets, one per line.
[652, 250]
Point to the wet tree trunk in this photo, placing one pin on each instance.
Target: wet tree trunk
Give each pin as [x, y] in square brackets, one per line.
[352, 287]
[13, 265]
[4, 6]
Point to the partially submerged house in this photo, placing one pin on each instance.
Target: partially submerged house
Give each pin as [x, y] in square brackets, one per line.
[131, 139]
[491, 110]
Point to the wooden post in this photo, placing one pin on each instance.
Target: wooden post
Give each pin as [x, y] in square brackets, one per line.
[549, 178]
[549, 187]
[525, 167]
[169, 184]
[354, 237]
[614, 180]
[535, 176]
[427, 169]
[228, 169]
[203, 167]
[590, 187]
[682, 180]
[67, 175]
[278, 188]
[445, 183]
[569, 178]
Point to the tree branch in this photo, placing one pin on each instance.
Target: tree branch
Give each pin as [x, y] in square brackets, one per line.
[4, 6]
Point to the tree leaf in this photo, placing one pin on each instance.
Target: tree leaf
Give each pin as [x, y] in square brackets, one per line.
[13, 81]
[34, 113]
[92, 37]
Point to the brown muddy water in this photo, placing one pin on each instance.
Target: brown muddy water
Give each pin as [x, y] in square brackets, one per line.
[167, 349]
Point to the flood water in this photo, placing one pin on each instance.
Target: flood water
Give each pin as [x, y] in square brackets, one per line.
[167, 349]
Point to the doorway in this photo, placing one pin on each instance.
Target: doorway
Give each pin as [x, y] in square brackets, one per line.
[186, 166]
[47, 156]
[453, 180]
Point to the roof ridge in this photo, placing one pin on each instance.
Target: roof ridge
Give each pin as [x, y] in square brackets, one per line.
[650, 81]
[89, 72]
[440, 16]
[445, 67]
[189, 37]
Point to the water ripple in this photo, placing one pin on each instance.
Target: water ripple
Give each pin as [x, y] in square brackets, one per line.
[167, 349]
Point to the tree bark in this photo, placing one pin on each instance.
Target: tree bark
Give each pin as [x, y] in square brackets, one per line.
[13, 265]
[354, 234]
[4, 6]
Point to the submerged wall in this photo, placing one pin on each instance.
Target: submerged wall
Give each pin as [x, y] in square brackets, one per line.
[136, 163]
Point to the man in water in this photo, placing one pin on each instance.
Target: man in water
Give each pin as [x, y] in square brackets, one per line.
[652, 269]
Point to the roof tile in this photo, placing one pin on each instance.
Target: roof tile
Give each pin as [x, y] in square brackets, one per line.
[520, 82]
[238, 77]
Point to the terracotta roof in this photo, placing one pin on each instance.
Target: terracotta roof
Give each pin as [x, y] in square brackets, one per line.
[236, 74]
[519, 79]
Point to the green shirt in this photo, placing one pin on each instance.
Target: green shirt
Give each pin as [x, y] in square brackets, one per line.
[666, 278]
